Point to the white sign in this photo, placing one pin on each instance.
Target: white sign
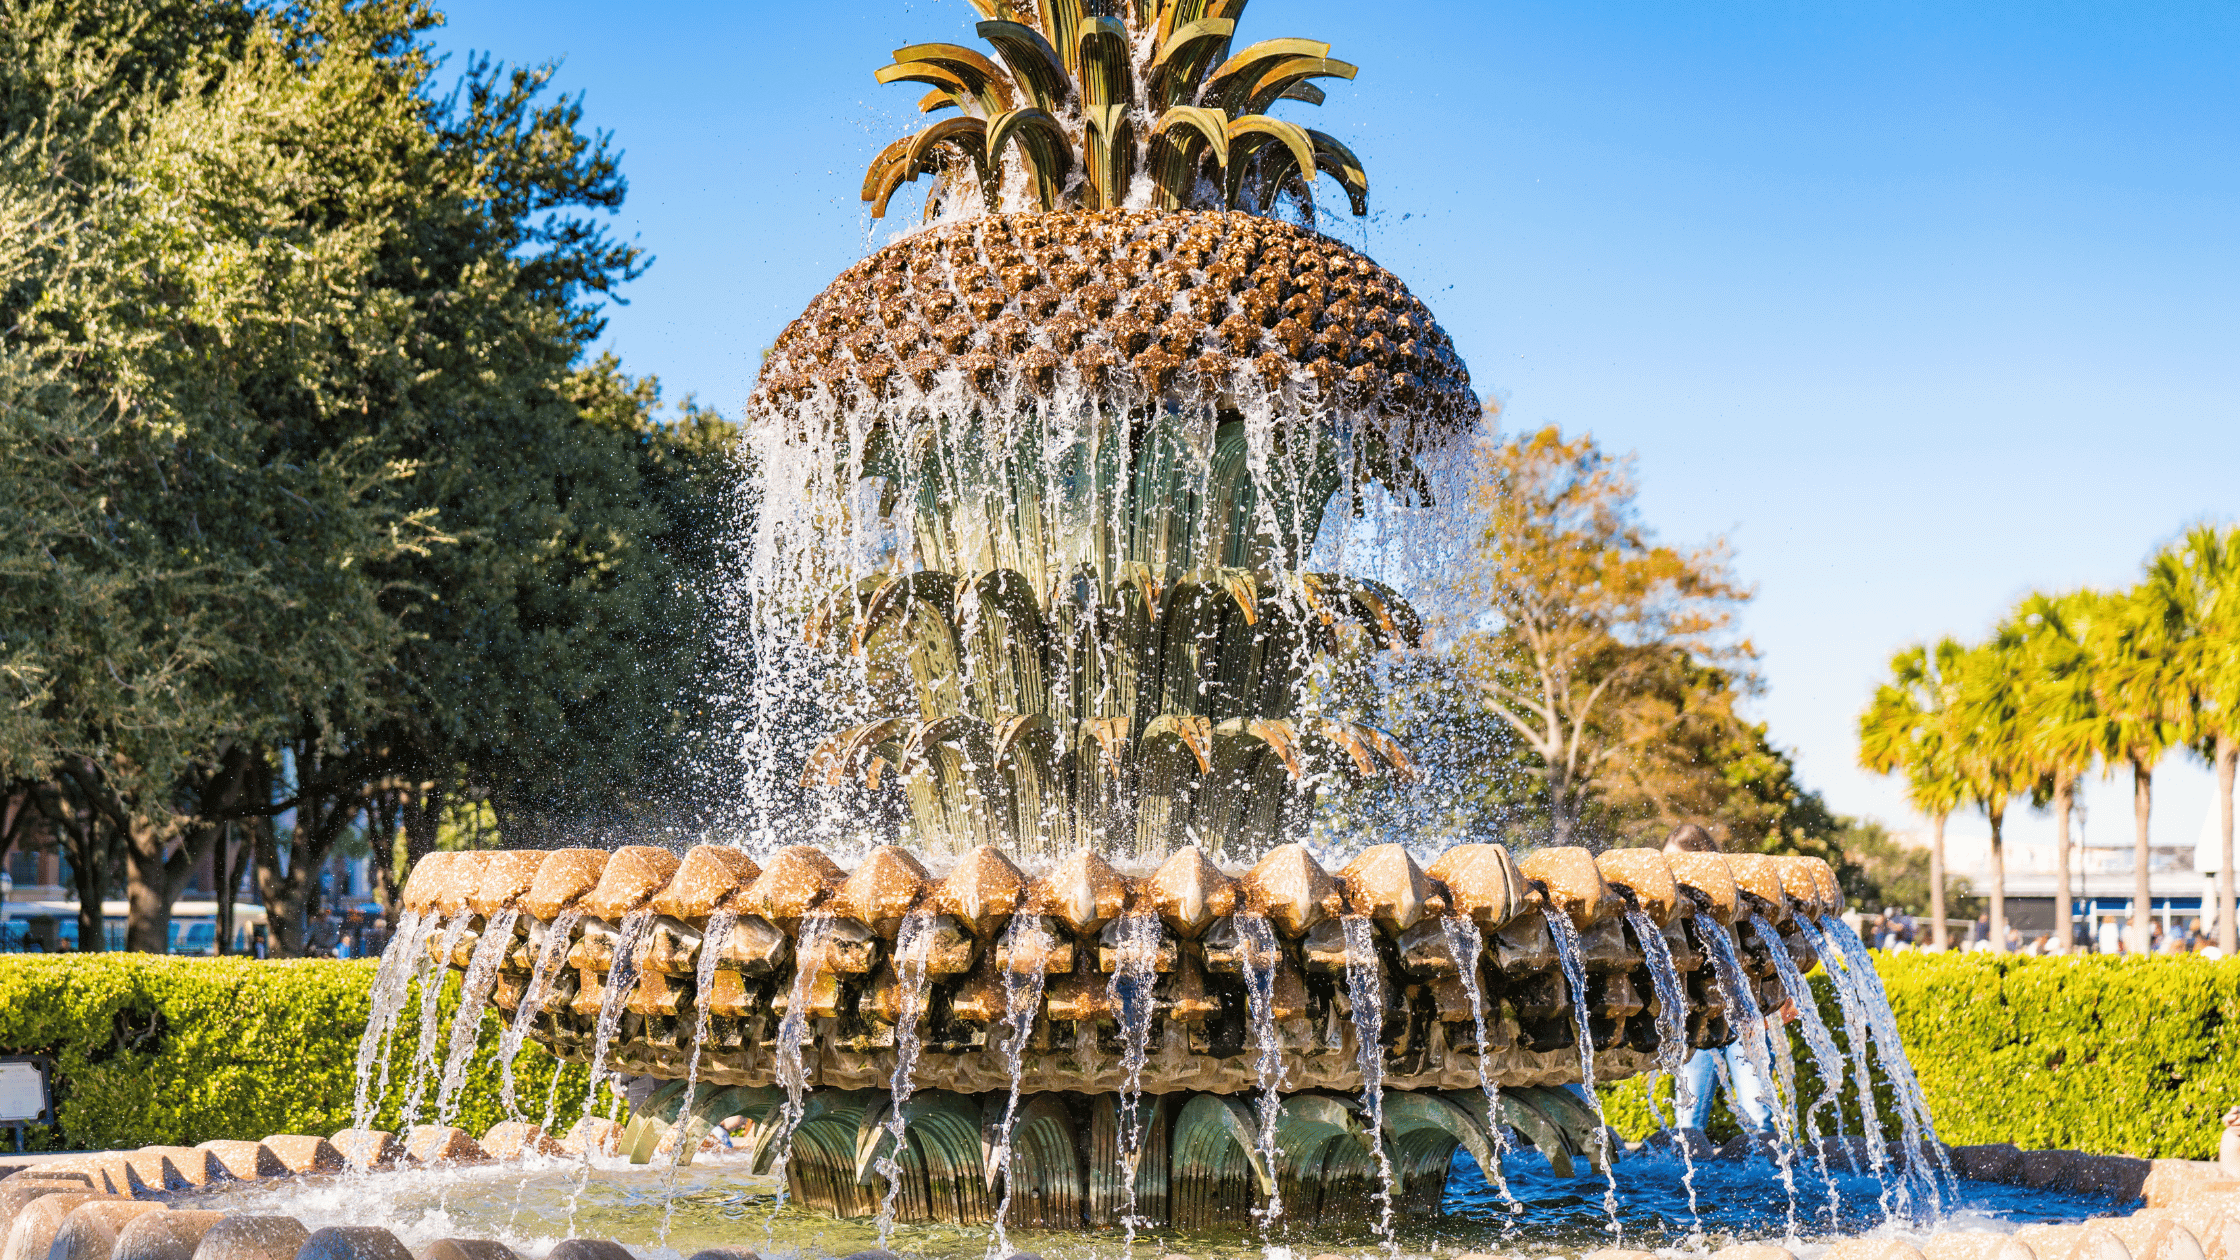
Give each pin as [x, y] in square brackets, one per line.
[23, 1092]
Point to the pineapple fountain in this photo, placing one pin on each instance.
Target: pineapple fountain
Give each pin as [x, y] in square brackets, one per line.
[1044, 655]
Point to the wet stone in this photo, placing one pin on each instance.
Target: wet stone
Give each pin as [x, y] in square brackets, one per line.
[1873, 1249]
[32, 1231]
[1385, 883]
[563, 878]
[246, 1161]
[511, 1139]
[304, 1154]
[353, 1242]
[506, 877]
[1975, 1245]
[90, 1231]
[1291, 889]
[164, 1235]
[368, 1148]
[708, 878]
[187, 1165]
[252, 1238]
[442, 1144]
[467, 1249]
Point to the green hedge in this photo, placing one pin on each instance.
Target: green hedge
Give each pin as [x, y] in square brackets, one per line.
[152, 1050]
[2115, 1056]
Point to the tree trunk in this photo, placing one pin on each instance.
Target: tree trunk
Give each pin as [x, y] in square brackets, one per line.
[1998, 880]
[2228, 754]
[147, 889]
[282, 891]
[1936, 882]
[228, 874]
[2064, 930]
[2142, 893]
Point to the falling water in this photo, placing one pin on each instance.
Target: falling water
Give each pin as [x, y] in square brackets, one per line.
[466, 1023]
[432, 977]
[558, 936]
[1672, 1038]
[1913, 1104]
[1749, 1023]
[713, 937]
[390, 984]
[793, 1029]
[1826, 1059]
[1566, 937]
[910, 950]
[622, 978]
[1465, 946]
[1365, 994]
[1259, 957]
[1855, 1031]
[1133, 975]
[1027, 946]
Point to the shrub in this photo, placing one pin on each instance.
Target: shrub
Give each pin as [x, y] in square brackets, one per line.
[152, 1050]
[2115, 1056]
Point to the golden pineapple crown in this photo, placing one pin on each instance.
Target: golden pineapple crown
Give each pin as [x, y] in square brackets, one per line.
[1075, 81]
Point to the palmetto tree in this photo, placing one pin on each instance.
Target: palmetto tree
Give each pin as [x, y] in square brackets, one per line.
[2193, 591]
[1908, 728]
[1085, 94]
[2048, 637]
[2144, 709]
[1989, 751]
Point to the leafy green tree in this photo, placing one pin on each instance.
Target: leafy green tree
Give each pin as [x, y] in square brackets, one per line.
[2049, 639]
[2193, 589]
[1909, 728]
[1591, 613]
[2142, 709]
[1991, 753]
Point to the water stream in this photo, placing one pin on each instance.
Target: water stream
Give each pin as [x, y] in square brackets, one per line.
[1026, 948]
[1466, 946]
[1855, 1033]
[391, 986]
[558, 936]
[1365, 994]
[1134, 974]
[793, 1029]
[1827, 1061]
[622, 979]
[466, 1023]
[1923, 1152]
[1257, 955]
[910, 949]
[1566, 937]
[713, 938]
[1672, 1039]
[432, 978]
[1750, 1030]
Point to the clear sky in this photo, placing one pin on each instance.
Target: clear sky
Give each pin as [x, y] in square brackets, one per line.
[1920, 305]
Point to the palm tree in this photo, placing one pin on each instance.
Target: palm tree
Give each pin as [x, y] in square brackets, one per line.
[1988, 750]
[1908, 728]
[2144, 710]
[2049, 634]
[2194, 587]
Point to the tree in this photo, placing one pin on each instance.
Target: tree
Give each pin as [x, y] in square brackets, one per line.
[2048, 638]
[2143, 708]
[1909, 728]
[1989, 752]
[1589, 611]
[2192, 589]
[340, 534]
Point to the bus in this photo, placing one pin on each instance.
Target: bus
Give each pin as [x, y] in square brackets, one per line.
[52, 926]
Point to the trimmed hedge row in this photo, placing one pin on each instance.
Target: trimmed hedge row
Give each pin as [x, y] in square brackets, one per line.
[153, 1050]
[2108, 1055]
[2116, 1056]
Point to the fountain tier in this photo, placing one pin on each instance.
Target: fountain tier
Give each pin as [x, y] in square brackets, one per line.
[818, 968]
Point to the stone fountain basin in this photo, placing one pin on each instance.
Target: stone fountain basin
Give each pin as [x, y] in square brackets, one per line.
[527, 1205]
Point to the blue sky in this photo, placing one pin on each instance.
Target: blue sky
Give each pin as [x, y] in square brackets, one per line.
[1920, 305]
